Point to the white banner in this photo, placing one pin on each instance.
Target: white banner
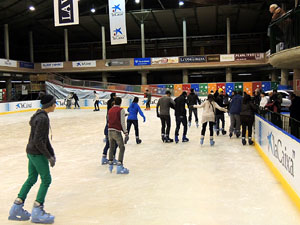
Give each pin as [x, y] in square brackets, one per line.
[227, 58]
[281, 149]
[165, 60]
[65, 12]
[7, 62]
[52, 65]
[117, 21]
[84, 64]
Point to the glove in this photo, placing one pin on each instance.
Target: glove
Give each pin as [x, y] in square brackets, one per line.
[144, 119]
[52, 161]
[126, 139]
[158, 115]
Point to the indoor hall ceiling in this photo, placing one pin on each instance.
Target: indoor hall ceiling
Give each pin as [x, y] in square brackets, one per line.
[162, 18]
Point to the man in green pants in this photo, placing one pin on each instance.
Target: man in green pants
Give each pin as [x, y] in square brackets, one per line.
[39, 153]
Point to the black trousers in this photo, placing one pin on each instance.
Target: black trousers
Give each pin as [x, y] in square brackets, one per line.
[148, 104]
[211, 128]
[76, 104]
[179, 120]
[247, 121]
[165, 121]
[218, 118]
[136, 126]
[191, 111]
[96, 105]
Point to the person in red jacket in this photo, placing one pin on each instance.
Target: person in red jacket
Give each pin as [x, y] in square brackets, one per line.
[116, 125]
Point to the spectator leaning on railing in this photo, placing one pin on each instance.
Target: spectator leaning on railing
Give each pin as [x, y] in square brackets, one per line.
[276, 11]
[295, 114]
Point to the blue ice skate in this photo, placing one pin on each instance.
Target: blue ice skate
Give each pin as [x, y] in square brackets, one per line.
[176, 139]
[185, 139]
[122, 170]
[111, 167]
[104, 160]
[115, 162]
[197, 124]
[39, 215]
[202, 140]
[212, 142]
[17, 212]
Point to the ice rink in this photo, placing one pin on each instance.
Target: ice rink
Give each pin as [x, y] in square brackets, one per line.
[168, 184]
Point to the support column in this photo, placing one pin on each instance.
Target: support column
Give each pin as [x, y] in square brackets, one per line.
[228, 75]
[284, 77]
[228, 36]
[31, 47]
[103, 43]
[185, 77]
[143, 39]
[184, 38]
[66, 45]
[6, 41]
[104, 77]
[144, 77]
[8, 89]
[274, 76]
[296, 81]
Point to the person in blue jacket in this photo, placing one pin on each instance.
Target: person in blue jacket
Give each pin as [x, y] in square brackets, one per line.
[235, 108]
[133, 110]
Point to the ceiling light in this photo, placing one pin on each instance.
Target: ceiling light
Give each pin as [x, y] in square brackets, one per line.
[31, 8]
[181, 3]
[93, 10]
[137, 1]
[245, 74]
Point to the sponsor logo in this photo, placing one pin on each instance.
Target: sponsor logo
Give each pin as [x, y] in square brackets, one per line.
[260, 133]
[116, 10]
[153, 102]
[118, 34]
[24, 106]
[284, 155]
[66, 11]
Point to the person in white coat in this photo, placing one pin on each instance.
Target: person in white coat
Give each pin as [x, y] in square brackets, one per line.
[263, 101]
[208, 116]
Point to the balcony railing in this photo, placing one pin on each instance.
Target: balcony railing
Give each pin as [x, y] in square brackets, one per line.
[284, 32]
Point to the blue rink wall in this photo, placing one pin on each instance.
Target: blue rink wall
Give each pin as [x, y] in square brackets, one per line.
[281, 152]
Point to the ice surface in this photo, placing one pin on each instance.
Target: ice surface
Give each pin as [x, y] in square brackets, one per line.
[168, 184]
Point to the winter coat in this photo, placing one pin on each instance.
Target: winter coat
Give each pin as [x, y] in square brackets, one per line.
[236, 104]
[209, 110]
[193, 99]
[133, 110]
[248, 109]
[39, 143]
[180, 106]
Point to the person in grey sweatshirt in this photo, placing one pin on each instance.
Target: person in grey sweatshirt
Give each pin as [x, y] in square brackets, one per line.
[163, 112]
[40, 154]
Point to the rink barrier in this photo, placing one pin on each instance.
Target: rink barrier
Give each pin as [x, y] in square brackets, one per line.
[279, 151]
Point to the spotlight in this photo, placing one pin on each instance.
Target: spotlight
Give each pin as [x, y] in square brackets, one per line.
[137, 1]
[181, 3]
[93, 10]
[31, 8]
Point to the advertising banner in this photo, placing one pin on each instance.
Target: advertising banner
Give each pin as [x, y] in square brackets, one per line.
[192, 59]
[266, 86]
[52, 65]
[117, 21]
[8, 63]
[249, 56]
[213, 58]
[164, 60]
[142, 61]
[281, 149]
[28, 65]
[229, 87]
[18, 106]
[78, 64]
[65, 12]
[117, 62]
[227, 58]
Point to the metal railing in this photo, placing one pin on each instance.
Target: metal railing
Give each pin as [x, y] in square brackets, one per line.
[284, 32]
[284, 122]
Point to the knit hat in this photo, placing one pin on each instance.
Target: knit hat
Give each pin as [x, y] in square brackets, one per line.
[47, 101]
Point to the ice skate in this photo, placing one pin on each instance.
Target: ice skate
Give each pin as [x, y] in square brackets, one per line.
[230, 134]
[111, 167]
[163, 138]
[250, 141]
[39, 215]
[201, 140]
[224, 132]
[190, 124]
[185, 139]
[104, 160]
[138, 141]
[168, 140]
[212, 142]
[243, 141]
[197, 124]
[122, 170]
[218, 132]
[115, 162]
[176, 139]
[17, 212]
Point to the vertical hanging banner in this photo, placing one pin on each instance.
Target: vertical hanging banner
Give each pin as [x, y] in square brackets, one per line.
[65, 12]
[117, 21]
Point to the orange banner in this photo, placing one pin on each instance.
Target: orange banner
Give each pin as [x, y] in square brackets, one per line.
[248, 88]
[212, 87]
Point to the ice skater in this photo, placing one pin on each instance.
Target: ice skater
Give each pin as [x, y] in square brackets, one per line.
[234, 111]
[69, 100]
[180, 115]
[133, 110]
[104, 160]
[208, 116]
[148, 96]
[96, 101]
[76, 99]
[193, 99]
[110, 102]
[219, 98]
[163, 112]
[116, 125]
[40, 154]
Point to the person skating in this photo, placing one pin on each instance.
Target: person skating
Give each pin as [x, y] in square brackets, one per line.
[208, 116]
[76, 99]
[163, 112]
[96, 101]
[133, 110]
[69, 100]
[40, 154]
[148, 96]
[247, 118]
[193, 99]
[219, 98]
[104, 159]
[110, 101]
[180, 115]
[116, 125]
[234, 111]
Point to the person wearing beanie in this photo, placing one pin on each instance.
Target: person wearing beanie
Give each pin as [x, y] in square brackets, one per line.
[180, 115]
[110, 101]
[193, 99]
[40, 154]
